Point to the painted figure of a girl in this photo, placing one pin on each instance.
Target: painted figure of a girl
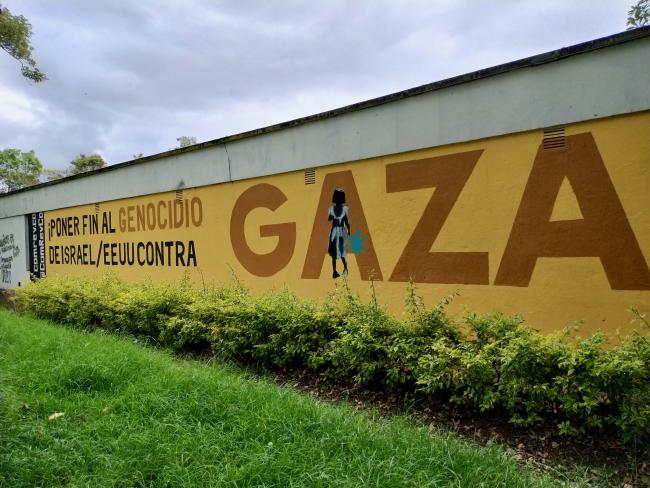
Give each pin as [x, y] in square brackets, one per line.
[338, 245]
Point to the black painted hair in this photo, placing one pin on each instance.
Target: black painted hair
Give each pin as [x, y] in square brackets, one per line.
[339, 196]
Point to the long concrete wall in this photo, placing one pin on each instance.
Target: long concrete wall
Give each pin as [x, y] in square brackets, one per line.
[557, 229]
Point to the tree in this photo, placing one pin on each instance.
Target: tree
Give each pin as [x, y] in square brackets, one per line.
[184, 141]
[18, 169]
[15, 34]
[86, 163]
[52, 174]
[639, 14]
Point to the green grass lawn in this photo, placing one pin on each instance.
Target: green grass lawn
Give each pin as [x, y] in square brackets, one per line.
[134, 416]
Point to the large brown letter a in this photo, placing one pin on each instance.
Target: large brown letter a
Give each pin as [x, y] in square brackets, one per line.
[366, 260]
[604, 231]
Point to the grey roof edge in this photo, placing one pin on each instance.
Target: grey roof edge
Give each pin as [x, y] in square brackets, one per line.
[532, 61]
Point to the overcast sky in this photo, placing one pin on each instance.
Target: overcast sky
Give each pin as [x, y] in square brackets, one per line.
[129, 77]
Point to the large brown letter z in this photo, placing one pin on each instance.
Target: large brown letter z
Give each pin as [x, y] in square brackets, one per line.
[448, 174]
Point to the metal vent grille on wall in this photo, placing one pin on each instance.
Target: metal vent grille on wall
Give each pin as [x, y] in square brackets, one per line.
[179, 195]
[554, 138]
[97, 208]
[310, 176]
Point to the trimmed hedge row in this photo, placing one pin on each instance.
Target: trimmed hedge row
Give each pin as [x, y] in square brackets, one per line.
[488, 362]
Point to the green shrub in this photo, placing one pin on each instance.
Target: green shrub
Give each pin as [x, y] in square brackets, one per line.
[486, 362]
[300, 331]
[474, 369]
[626, 372]
[529, 365]
[360, 348]
[413, 338]
[145, 308]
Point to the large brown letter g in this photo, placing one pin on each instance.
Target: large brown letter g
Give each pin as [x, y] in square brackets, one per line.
[262, 196]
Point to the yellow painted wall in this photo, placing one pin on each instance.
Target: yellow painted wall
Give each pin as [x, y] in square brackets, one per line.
[561, 289]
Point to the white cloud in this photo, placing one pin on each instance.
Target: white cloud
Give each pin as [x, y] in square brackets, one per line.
[19, 109]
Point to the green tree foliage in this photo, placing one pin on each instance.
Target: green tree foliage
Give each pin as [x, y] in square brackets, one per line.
[86, 163]
[185, 141]
[18, 169]
[639, 14]
[15, 34]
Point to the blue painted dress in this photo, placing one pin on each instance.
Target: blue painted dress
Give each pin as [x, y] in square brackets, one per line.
[338, 245]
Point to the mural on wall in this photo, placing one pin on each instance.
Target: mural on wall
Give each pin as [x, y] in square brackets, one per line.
[14, 252]
[604, 230]
[37, 245]
[367, 262]
[113, 227]
[9, 252]
[261, 264]
[481, 216]
[448, 174]
[338, 239]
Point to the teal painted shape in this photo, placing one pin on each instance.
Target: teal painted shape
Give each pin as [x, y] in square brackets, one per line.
[356, 243]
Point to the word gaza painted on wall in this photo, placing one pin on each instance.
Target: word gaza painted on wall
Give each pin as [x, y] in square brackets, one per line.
[603, 232]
